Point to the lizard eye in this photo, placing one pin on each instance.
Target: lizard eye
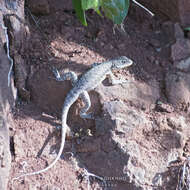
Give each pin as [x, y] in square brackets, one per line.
[123, 61]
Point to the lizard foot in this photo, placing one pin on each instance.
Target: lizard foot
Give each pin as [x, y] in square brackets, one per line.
[121, 81]
[56, 74]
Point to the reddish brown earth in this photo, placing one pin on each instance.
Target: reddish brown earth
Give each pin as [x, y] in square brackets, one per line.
[60, 40]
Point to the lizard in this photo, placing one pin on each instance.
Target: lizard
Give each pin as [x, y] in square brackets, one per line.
[87, 82]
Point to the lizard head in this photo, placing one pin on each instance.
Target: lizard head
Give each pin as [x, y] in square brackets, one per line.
[121, 62]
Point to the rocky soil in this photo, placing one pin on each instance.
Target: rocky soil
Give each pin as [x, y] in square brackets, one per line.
[140, 137]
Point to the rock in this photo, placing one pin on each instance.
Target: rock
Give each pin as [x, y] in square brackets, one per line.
[65, 5]
[183, 65]
[20, 75]
[180, 124]
[168, 28]
[155, 43]
[19, 152]
[162, 107]
[178, 31]
[141, 94]
[187, 147]
[135, 169]
[177, 88]
[144, 150]
[15, 28]
[117, 110]
[18, 40]
[50, 187]
[33, 186]
[6, 104]
[176, 10]
[180, 50]
[40, 85]
[11, 5]
[39, 7]
[88, 145]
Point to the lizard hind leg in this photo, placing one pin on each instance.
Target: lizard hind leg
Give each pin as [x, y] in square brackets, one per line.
[86, 99]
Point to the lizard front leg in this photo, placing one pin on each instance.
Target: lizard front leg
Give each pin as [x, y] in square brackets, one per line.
[66, 76]
[114, 81]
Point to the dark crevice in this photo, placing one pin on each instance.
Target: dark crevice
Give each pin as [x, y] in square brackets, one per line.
[12, 146]
[163, 87]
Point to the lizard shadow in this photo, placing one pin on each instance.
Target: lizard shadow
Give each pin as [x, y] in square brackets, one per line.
[48, 138]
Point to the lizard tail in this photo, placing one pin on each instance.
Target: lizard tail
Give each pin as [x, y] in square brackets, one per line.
[63, 136]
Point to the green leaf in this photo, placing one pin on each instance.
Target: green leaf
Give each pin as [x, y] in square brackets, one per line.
[77, 4]
[116, 10]
[98, 11]
[188, 28]
[90, 4]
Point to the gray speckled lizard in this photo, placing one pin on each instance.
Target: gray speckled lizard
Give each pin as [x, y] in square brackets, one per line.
[88, 81]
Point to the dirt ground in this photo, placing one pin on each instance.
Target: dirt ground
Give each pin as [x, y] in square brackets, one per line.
[60, 40]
